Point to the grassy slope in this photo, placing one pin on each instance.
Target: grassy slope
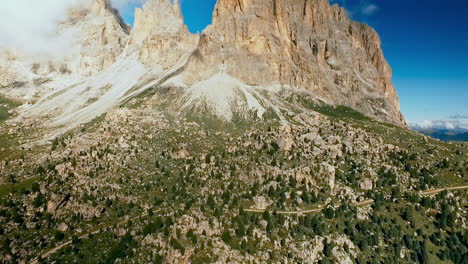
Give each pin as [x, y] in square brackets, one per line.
[7, 142]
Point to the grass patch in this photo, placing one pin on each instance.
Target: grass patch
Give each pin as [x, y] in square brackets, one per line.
[5, 106]
[3, 113]
[342, 112]
[338, 111]
[6, 189]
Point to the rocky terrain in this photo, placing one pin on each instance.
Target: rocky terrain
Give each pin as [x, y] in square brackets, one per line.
[273, 137]
[141, 184]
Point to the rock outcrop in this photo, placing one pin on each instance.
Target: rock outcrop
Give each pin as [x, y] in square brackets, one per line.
[301, 44]
[160, 34]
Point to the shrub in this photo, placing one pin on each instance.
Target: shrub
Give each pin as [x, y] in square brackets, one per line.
[121, 250]
[226, 236]
[39, 200]
[58, 236]
[40, 170]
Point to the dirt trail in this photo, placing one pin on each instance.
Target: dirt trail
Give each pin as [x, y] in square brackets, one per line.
[308, 211]
[436, 191]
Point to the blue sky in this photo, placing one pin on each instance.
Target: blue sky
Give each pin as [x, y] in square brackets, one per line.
[425, 42]
[197, 13]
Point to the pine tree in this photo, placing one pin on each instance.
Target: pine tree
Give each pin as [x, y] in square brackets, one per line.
[329, 212]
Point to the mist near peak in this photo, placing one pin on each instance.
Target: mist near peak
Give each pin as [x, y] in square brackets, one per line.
[30, 27]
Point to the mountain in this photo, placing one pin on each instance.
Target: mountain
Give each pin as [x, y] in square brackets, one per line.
[253, 54]
[445, 134]
[272, 137]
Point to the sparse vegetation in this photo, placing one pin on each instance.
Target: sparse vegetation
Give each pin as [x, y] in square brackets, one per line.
[156, 188]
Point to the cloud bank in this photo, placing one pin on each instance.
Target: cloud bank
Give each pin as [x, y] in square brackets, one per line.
[369, 9]
[456, 122]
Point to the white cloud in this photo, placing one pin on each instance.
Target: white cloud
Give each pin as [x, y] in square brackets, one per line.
[449, 124]
[369, 9]
[357, 9]
[30, 26]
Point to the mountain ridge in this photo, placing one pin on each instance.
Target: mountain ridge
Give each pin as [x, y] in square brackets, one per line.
[257, 49]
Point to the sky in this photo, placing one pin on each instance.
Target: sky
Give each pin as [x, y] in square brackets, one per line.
[425, 42]
[197, 13]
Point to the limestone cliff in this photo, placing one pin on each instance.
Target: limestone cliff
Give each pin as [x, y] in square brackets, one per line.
[302, 44]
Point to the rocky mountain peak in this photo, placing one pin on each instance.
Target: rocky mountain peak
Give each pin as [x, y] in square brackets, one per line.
[301, 44]
[157, 17]
[102, 8]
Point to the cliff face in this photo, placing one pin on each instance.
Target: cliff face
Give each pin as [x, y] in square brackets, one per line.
[299, 43]
[105, 35]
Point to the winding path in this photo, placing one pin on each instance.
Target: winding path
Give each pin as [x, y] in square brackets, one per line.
[308, 211]
[356, 204]
[436, 191]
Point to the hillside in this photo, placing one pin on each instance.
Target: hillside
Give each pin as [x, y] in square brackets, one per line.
[151, 186]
